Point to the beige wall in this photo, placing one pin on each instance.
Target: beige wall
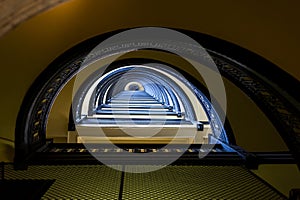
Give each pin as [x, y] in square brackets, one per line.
[57, 126]
[253, 131]
[282, 177]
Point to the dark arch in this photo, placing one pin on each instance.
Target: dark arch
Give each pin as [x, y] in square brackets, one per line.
[235, 63]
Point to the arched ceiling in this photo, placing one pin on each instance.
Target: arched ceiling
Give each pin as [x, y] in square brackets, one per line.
[267, 28]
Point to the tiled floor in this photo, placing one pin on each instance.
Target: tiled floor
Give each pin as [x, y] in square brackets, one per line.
[171, 182]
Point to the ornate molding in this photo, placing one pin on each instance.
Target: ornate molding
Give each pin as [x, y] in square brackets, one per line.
[281, 112]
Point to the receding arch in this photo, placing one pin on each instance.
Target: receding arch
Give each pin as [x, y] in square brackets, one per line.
[134, 86]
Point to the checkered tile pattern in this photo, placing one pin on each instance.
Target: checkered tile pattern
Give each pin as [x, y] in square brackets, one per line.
[171, 182]
[73, 182]
[196, 182]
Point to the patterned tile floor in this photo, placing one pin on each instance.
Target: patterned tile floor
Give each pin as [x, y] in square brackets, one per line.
[171, 182]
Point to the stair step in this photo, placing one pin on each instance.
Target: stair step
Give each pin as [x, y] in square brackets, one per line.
[133, 102]
[136, 109]
[134, 106]
[135, 121]
[129, 117]
[134, 112]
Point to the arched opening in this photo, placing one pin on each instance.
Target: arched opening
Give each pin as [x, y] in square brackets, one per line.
[93, 95]
[134, 86]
